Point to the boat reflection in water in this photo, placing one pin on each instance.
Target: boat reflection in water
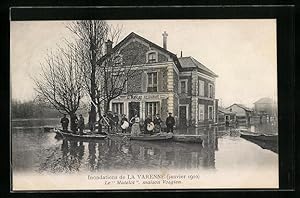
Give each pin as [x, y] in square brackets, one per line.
[108, 154]
[34, 150]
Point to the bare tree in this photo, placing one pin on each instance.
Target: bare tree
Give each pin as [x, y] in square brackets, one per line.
[105, 76]
[90, 36]
[59, 83]
[114, 76]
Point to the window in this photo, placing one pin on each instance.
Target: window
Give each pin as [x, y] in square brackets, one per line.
[183, 86]
[118, 108]
[201, 88]
[152, 108]
[210, 90]
[151, 57]
[152, 82]
[210, 113]
[201, 112]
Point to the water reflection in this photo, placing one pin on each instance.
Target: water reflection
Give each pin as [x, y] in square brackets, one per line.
[37, 151]
[112, 154]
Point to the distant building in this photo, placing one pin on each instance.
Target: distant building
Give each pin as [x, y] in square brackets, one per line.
[242, 112]
[225, 115]
[265, 106]
[166, 83]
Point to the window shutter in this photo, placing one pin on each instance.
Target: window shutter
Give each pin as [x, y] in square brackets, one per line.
[159, 81]
[144, 82]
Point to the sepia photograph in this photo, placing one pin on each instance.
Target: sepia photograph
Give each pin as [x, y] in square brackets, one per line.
[144, 104]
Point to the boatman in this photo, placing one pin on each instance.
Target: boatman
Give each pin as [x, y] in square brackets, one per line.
[170, 122]
[81, 124]
[64, 123]
[157, 122]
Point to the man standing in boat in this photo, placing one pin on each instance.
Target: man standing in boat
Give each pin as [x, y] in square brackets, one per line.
[170, 122]
[64, 123]
[81, 124]
[147, 121]
[157, 122]
[74, 123]
[115, 123]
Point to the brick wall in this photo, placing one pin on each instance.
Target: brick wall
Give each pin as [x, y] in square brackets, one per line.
[135, 52]
[206, 82]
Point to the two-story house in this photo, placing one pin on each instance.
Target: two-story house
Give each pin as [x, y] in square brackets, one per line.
[164, 83]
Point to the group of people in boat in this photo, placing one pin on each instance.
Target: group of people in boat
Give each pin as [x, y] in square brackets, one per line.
[112, 124]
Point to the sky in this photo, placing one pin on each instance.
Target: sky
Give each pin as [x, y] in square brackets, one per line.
[241, 52]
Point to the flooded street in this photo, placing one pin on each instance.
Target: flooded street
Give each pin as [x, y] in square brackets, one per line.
[222, 149]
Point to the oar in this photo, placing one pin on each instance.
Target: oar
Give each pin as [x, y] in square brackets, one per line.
[55, 129]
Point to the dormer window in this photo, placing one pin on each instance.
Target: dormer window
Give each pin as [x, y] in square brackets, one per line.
[151, 56]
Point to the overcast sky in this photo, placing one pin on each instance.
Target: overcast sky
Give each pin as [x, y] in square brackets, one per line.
[241, 52]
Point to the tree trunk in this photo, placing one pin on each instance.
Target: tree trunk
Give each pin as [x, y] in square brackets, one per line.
[72, 122]
[93, 86]
[106, 109]
[99, 115]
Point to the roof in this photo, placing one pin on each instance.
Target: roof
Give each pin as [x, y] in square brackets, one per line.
[264, 100]
[134, 35]
[189, 62]
[241, 106]
[223, 110]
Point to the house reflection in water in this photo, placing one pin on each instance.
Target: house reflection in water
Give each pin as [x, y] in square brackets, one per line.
[112, 154]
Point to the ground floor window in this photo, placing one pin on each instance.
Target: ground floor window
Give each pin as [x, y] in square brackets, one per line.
[201, 112]
[210, 113]
[152, 108]
[118, 108]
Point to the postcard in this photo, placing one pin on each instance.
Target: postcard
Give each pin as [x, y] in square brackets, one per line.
[144, 104]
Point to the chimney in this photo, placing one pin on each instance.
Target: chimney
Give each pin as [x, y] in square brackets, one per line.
[165, 35]
[108, 44]
[180, 54]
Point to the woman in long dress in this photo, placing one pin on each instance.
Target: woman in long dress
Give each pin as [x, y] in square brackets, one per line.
[135, 129]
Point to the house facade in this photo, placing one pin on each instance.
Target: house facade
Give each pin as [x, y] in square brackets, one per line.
[164, 83]
[225, 115]
[265, 106]
[243, 113]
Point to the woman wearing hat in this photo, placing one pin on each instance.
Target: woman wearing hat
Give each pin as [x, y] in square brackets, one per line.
[135, 129]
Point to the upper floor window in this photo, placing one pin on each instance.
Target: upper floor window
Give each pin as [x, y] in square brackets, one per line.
[201, 88]
[183, 86]
[152, 82]
[210, 91]
[210, 113]
[152, 56]
[201, 112]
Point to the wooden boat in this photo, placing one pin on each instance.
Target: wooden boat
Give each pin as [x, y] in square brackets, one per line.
[188, 138]
[69, 134]
[156, 137]
[265, 141]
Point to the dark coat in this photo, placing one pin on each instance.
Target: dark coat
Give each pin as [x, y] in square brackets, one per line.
[64, 121]
[81, 123]
[170, 121]
[157, 121]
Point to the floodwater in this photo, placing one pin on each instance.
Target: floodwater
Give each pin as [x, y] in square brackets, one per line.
[42, 152]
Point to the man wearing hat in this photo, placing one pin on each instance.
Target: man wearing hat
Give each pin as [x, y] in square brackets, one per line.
[81, 124]
[170, 122]
[157, 122]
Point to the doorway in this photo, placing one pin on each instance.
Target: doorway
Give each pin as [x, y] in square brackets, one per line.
[182, 116]
[134, 109]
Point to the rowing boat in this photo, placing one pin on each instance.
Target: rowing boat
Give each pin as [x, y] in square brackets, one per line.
[69, 134]
[156, 137]
[188, 138]
[265, 141]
